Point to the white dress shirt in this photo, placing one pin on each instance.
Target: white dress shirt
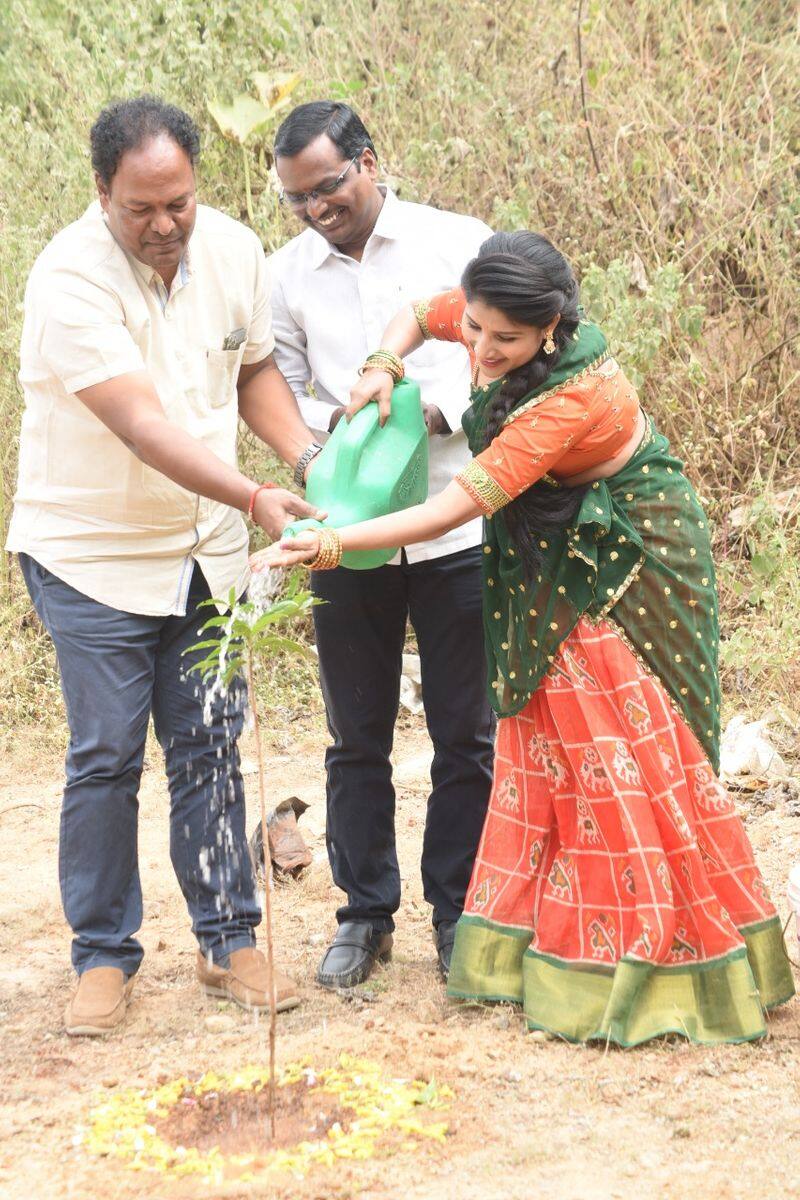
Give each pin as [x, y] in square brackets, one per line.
[86, 507]
[329, 312]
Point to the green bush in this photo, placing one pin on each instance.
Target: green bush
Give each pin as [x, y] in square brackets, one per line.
[640, 317]
[689, 184]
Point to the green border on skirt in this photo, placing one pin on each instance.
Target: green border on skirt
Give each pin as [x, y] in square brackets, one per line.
[719, 1001]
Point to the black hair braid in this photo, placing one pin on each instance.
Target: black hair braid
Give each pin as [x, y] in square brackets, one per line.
[518, 384]
[524, 276]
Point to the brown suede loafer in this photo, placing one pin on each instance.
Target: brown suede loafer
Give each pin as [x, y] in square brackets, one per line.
[100, 1002]
[246, 981]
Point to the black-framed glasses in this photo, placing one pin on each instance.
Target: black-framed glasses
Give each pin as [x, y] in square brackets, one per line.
[301, 199]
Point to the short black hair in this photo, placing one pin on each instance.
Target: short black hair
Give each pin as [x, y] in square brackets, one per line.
[128, 124]
[309, 121]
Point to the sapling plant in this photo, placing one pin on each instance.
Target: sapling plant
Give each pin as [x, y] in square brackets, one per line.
[241, 636]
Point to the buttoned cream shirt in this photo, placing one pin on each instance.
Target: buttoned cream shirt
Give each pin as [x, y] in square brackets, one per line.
[86, 507]
[330, 311]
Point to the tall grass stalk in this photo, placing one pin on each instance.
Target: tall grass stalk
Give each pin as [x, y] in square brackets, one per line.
[479, 106]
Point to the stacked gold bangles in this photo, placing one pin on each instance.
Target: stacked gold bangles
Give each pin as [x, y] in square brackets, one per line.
[384, 360]
[329, 554]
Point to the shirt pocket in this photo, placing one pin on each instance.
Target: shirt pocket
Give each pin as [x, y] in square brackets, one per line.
[222, 372]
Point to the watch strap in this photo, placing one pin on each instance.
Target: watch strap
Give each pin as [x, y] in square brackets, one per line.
[305, 458]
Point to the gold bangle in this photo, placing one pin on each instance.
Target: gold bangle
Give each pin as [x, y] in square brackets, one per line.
[329, 554]
[381, 366]
[384, 360]
[389, 357]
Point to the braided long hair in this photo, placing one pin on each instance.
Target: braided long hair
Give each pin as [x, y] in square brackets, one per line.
[531, 282]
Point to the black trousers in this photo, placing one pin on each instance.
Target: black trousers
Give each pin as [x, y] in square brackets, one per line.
[360, 634]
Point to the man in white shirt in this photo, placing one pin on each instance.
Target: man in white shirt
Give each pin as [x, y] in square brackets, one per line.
[363, 255]
[147, 334]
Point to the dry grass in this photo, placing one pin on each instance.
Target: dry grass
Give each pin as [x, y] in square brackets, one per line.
[666, 168]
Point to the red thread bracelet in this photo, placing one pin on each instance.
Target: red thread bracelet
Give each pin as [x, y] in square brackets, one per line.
[262, 487]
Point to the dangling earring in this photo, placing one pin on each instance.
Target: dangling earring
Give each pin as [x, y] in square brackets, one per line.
[549, 346]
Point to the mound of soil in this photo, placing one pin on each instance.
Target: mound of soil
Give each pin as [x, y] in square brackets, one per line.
[238, 1122]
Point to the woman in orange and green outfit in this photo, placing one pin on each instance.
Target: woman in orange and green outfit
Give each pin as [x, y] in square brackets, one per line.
[614, 894]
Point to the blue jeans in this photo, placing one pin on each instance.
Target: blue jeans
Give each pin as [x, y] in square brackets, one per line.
[116, 668]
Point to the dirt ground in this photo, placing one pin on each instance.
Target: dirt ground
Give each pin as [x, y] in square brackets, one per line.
[531, 1118]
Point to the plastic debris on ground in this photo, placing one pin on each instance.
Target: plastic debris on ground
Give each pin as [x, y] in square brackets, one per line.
[288, 850]
[753, 753]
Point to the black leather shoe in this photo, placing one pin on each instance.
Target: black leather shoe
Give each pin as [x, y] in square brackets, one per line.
[444, 935]
[352, 954]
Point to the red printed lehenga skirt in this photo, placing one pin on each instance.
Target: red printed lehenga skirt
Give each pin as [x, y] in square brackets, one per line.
[614, 894]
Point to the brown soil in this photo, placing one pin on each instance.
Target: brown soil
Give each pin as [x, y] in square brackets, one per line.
[531, 1118]
[239, 1122]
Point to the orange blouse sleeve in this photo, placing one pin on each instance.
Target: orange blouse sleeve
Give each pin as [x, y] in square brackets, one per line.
[526, 449]
[440, 316]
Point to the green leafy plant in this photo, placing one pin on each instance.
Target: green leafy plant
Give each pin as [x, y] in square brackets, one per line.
[765, 586]
[702, 173]
[638, 314]
[243, 634]
[245, 116]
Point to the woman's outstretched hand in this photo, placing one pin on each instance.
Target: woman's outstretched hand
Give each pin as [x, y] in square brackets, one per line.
[287, 552]
[373, 385]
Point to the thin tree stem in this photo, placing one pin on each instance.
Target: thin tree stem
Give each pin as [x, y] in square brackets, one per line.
[792, 337]
[248, 195]
[586, 122]
[273, 1011]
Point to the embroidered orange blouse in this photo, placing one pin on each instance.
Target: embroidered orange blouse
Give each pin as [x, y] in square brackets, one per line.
[584, 422]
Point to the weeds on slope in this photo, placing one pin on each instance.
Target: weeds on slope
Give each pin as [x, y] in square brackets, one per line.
[658, 145]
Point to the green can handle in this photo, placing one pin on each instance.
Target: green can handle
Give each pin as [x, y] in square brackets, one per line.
[352, 444]
[365, 470]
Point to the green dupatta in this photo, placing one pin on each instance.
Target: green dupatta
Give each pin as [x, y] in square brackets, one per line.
[644, 527]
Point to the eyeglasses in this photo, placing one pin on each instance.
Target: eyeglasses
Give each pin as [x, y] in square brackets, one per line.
[301, 199]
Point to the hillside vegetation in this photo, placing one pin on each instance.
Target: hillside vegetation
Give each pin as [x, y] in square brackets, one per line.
[657, 144]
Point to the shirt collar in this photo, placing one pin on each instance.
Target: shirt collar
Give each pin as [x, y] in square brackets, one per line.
[150, 275]
[146, 273]
[388, 226]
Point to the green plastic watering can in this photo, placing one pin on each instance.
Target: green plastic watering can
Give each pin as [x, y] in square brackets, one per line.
[366, 471]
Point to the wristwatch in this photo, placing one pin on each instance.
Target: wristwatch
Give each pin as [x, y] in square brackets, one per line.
[305, 458]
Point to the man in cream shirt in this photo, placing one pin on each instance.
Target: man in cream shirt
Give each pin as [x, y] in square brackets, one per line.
[147, 334]
[363, 255]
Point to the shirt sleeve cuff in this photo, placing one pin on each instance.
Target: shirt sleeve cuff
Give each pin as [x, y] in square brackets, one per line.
[102, 374]
[487, 494]
[452, 410]
[421, 310]
[260, 352]
[316, 413]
